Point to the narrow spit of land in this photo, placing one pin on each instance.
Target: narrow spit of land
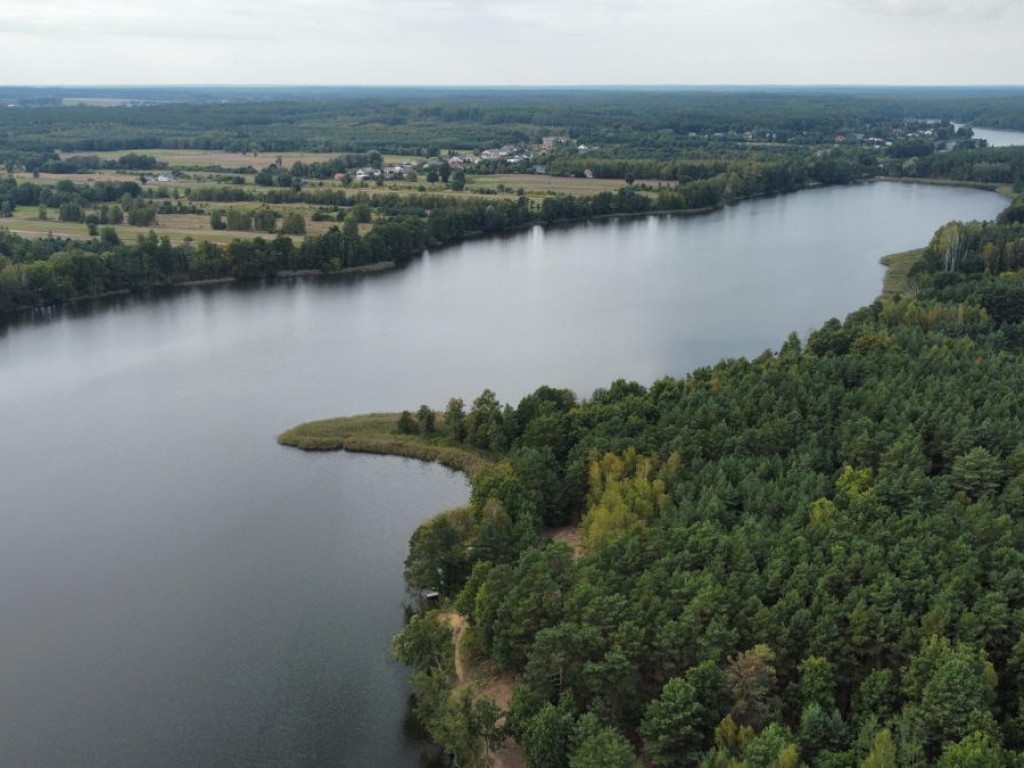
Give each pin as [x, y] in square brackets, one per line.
[378, 433]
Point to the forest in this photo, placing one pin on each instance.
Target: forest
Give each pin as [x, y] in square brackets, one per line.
[411, 120]
[811, 558]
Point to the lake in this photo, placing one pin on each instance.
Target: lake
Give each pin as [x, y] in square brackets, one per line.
[998, 138]
[180, 590]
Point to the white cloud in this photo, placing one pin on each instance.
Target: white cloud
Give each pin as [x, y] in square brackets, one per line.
[510, 41]
[962, 9]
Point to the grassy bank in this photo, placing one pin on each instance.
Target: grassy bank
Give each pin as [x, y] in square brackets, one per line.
[897, 271]
[376, 266]
[378, 433]
[1006, 190]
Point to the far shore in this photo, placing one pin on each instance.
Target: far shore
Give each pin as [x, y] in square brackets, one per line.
[1006, 190]
[377, 266]
[895, 281]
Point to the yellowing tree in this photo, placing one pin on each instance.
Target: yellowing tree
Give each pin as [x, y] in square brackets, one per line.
[622, 496]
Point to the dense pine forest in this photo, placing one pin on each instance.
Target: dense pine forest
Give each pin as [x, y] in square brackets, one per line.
[815, 557]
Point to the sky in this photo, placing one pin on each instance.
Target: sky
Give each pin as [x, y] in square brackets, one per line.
[511, 42]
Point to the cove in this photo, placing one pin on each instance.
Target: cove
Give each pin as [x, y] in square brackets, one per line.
[180, 590]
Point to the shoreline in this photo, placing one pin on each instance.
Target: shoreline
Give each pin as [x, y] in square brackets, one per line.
[385, 266]
[356, 435]
[896, 282]
[288, 274]
[1006, 190]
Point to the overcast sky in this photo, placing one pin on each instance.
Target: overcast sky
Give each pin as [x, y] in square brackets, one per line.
[482, 42]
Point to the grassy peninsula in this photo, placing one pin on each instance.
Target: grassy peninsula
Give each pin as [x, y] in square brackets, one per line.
[897, 272]
[378, 433]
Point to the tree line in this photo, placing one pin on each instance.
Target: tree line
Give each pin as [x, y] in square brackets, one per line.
[415, 121]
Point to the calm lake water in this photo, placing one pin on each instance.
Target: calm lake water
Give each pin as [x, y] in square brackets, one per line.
[998, 138]
[177, 589]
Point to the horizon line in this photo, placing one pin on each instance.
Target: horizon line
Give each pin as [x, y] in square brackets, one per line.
[516, 85]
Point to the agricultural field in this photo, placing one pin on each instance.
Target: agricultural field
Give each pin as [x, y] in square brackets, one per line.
[538, 184]
[77, 178]
[194, 180]
[186, 158]
[80, 101]
[36, 228]
[176, 226]
[194, 226]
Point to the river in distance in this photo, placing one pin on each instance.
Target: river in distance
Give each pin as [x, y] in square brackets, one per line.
[177, 589]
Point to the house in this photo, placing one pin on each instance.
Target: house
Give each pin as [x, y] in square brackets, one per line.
[165, 177]
[366, 173]
[340, 176]
[588, 173]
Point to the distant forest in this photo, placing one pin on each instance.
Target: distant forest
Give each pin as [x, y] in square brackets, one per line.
[406, 120]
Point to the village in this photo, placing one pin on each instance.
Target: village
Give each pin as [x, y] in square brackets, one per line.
[508, 154]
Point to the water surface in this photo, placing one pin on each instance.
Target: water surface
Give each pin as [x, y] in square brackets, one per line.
[997, 137]
[177, 589]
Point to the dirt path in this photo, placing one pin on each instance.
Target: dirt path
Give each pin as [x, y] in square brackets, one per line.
[458, 624]
[488, 682]
[571, 535]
